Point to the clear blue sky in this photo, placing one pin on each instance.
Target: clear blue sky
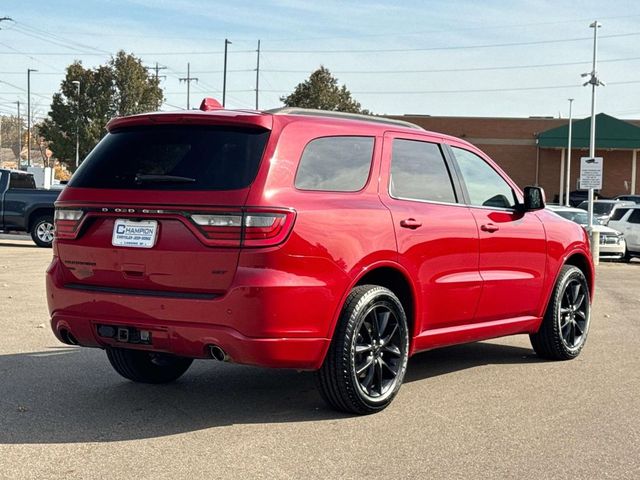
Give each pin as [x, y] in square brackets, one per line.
[384, 51]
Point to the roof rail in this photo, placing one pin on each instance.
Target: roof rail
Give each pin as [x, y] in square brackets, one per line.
[347, 116]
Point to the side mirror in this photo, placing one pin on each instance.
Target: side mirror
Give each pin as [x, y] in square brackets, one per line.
[533, 199]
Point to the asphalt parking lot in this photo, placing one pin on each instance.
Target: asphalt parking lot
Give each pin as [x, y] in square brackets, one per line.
[485, 410]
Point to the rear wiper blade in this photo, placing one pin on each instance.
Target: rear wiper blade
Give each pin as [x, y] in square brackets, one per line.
[150, 178]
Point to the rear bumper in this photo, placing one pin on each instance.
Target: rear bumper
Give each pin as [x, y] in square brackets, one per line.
[193, 340]
[285, 325]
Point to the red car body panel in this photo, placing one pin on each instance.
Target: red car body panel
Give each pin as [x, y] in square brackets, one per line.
[278, 306]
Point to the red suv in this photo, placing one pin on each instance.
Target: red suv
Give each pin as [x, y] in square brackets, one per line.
[310, 240]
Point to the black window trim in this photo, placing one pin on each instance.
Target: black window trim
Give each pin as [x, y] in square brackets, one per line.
[453, 174]
[467, 197]
[347, 192]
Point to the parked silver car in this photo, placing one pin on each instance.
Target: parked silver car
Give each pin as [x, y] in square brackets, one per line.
[629, 224]
[612, 242]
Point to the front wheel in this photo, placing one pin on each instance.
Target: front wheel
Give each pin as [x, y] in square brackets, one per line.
[42, 231]
[147, 367]
[367, 359]
[565, 326]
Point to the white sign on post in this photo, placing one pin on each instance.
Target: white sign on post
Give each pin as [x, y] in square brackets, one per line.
[590, 173]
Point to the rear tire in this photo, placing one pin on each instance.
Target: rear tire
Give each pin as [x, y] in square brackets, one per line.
[565, 326]
[42, 231]
[147, 367]
[367, 359]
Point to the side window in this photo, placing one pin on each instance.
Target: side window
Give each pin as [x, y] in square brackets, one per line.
[635, 216]
[618, 213]
[419, 172]
[339, 164]
[19, 180]
[485, 186]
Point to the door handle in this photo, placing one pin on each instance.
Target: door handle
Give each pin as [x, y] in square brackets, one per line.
[489, 227]
[411, 223]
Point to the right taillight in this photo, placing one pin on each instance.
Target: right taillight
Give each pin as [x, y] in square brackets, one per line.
[67, 221]
[254, 228]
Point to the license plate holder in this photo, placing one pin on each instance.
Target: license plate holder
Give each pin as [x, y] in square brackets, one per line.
[134, 233]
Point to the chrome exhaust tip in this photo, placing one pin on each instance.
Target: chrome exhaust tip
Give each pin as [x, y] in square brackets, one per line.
[218, 353]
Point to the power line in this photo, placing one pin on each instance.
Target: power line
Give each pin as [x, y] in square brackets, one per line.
[395, 71]
[466, 69]
[337, 51]
[500, 26]
[452, 47]
[70, 54]
[475, 90]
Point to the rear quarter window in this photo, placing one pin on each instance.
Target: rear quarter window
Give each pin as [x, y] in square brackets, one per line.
[635, 216]
[338, 164]
[174, 157]
[618, 213]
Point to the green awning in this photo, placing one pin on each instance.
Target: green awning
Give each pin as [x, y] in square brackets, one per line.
[610, 133]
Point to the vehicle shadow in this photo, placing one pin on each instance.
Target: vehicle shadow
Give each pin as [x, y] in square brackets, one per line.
[20, 244]
[71, 395]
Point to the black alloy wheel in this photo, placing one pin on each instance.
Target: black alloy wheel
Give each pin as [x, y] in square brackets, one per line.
[563, 332]
[367, 360]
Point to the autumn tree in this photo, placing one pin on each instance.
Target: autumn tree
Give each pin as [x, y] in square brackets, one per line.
[10, 127]
[123, 86]
[322, 91]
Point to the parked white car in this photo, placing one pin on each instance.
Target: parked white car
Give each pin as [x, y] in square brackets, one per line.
[612, 242]
[629, 224]
[603, 209]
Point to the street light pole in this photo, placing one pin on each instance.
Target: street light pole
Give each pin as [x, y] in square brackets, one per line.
[594, 81]
[568, 180]
[19, 135]
[257, 73]
[224, 75]
[29, 70]
[77, 84]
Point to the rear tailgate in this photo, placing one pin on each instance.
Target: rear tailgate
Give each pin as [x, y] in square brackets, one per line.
[137, 198]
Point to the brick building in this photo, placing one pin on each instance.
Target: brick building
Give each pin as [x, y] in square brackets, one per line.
[532, 150]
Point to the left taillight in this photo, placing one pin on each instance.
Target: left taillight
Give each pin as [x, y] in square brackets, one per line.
[254, 228]
[67, 221]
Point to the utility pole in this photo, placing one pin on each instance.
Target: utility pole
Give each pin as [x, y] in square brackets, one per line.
[188, 79]
[157, 69]
[568, 180]
[594, 81]
[257, 73]
[29, 70]
[224, 76]
[77, 84]
[19, 134]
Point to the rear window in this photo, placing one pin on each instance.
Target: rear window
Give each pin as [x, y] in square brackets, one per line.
[174, 157]
[338, 164]
[598, 208]
[21, 180]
